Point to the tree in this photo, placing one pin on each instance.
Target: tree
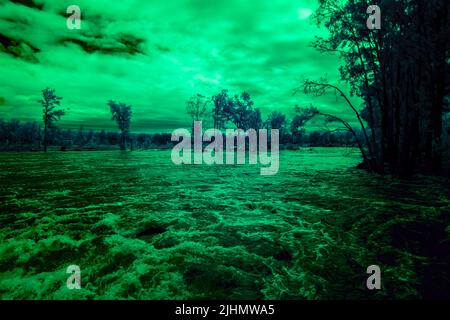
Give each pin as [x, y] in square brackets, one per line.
[302, 116]
[221, 106]
[320, 87]
[51, 114]
[276, 120]
[241, 110]
[401, 72]
[197, 107]
[121, 113]
[255, 119]
[237, 109]
[29, 132]
[101, 137]
[80, 138]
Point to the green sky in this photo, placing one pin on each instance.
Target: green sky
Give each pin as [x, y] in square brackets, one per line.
[155, 54]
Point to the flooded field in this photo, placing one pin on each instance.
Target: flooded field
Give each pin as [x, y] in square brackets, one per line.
[140, 227]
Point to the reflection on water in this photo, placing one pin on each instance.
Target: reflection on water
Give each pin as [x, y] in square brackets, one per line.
[140, 227]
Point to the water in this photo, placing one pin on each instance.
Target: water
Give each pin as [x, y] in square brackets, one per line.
[140, 227]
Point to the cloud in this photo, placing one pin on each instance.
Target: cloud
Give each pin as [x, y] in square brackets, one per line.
[120, 44]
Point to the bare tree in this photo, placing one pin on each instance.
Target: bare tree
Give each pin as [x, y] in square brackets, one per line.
[197, 107]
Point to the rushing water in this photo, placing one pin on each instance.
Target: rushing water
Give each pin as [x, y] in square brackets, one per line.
[140, 227]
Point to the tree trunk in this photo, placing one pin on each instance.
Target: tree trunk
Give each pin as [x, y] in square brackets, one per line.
[122, 141]
[45, 136]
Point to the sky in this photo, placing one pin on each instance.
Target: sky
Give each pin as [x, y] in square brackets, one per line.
[156, 54]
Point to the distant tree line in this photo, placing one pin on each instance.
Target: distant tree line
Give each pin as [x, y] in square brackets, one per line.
[17, 135]
[227, 111]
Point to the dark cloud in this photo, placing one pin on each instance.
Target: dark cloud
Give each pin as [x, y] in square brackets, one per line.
[119, 44]
[29, 3]
[18, 48]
